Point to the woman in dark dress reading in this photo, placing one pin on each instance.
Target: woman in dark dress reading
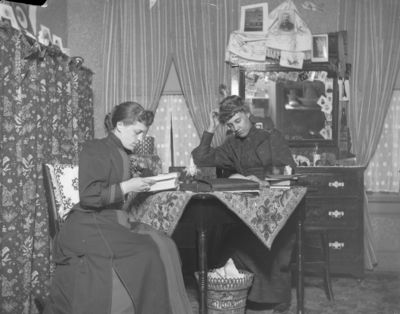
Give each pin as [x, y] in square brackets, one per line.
[104, 263]
[253, 153]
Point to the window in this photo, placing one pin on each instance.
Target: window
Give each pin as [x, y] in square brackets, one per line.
[173, 126]
[382, 174]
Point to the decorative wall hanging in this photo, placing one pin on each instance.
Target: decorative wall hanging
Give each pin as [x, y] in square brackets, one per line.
[254, 18]
[21, 12]
[44, 35]
[57, 41]
[6, 12]
[281, 36]
[319, 48]
[292, 59]
[311, 5]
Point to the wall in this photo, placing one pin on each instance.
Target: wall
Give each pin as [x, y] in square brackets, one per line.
[319, 22]
[85, 31]
[85, 28]
[54, 16]
[79, 23]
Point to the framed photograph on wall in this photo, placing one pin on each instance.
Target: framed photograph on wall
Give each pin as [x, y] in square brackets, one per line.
[7, 13]
[46, 36]
[58, 41]
[319, 51]
[286, 21]
[254, 18]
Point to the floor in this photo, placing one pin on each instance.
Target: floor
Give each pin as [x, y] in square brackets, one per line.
[377, 293]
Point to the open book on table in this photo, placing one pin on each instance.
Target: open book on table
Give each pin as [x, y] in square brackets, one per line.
[275, 180]
[167, 181]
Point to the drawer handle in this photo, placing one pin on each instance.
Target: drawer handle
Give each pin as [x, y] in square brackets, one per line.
[336, 214]
[336, 245]
[336, 184]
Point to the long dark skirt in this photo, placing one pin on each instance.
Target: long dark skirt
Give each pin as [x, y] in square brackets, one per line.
[91, 245]
[273, 281]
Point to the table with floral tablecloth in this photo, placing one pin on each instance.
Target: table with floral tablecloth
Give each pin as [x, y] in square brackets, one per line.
[265, 214]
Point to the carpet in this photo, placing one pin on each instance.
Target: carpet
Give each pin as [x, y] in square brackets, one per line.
[377, 293]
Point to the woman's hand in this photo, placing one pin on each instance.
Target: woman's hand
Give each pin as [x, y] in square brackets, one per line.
[262, 183]
[214, 122]
[137, 185]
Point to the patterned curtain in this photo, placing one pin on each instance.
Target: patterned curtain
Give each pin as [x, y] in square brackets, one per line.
[374, 53]
[46, 113]
[140, 44]
[383, 172]
[173, 112]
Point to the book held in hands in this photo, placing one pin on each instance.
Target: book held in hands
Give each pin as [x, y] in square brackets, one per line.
[167, 181]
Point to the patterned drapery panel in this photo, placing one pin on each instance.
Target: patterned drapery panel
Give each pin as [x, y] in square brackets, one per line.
[140, 43]
[46, 113]
[383, 172]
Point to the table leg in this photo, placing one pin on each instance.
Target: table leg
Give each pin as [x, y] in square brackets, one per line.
[300, 256]
[202, 248]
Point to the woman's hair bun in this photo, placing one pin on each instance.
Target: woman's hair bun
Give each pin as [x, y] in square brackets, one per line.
[108, 122]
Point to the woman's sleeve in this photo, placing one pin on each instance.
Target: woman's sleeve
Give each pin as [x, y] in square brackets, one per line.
[95, 188]
[207, 156]
[281, 154]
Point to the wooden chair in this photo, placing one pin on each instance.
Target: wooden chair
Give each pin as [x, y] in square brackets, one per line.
[62, 193]
[316, 258]
[54, 223]
[54, 201]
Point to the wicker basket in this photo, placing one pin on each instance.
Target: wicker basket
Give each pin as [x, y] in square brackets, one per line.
[228, 295]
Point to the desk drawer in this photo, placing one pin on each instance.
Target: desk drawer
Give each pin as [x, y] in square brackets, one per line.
[339, 212]
[332, 183]
[343, 243]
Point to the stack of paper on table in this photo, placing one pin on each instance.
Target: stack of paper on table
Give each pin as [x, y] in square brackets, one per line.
[167, 181]
[281, 180]
[275, 180]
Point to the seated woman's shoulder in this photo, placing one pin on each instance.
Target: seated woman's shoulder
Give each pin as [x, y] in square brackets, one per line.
[95, 144]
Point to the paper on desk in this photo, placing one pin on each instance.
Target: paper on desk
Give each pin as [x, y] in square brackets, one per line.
[278, 177]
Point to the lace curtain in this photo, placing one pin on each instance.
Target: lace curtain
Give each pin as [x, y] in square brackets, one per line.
[383, 172]
[172, 112]
[46, 114]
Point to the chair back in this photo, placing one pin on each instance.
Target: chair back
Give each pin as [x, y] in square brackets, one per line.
[146, 147]
[62, 192]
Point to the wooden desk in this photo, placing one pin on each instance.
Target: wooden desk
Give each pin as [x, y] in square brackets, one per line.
[270, 210]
